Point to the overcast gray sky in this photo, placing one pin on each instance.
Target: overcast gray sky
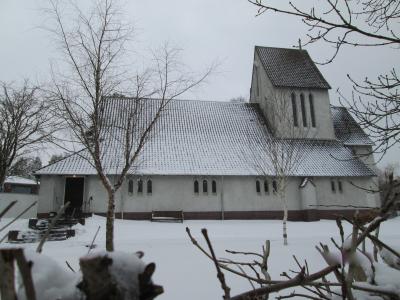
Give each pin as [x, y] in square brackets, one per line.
[207, 30]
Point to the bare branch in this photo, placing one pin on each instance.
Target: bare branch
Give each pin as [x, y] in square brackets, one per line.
[220, 275]
[51, 226]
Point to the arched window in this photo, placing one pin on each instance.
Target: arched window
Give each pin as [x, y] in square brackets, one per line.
[130, 186]
[149, 186]
[303, 110]
[258, 188]
[266, 187]
[140, 186]
[214, 187]
[294, 110]
[274, 186]
[205, 186]
[311, 98]
[196, 187]
[333, 186]
[340, 186]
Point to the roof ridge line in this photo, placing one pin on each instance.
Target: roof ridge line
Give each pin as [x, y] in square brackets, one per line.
[65, 157]
[283, 48]
[181, 100]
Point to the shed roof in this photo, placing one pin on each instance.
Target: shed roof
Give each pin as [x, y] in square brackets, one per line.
[19, 180]
[210, 138]
[291, 68]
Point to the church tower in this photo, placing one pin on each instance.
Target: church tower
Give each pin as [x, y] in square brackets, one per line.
[292, 94]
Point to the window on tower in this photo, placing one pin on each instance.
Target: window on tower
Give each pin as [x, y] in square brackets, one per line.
[303, 110]
[294, 110]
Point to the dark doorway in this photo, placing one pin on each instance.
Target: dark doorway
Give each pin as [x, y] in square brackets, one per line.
[74, 194]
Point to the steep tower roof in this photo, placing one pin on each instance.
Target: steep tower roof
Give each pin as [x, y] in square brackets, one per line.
[291, 68]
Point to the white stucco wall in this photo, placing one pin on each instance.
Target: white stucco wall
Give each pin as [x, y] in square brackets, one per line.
[366, 155]
[169, 193]
[51, 193]
[353, 193]
[240, 193]
[23, 202]
[172, 193]
[177, 193]
[308, 194]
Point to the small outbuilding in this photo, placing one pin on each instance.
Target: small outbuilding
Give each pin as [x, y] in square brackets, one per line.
[21, 185]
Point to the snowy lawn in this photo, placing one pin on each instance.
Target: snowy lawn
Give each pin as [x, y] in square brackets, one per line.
[182, 270]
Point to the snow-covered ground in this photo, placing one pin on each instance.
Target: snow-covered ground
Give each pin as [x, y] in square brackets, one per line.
[182, 270]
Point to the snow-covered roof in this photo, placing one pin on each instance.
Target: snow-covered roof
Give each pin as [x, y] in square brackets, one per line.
[210, 138]
[19, 180]
[346, 128]
[291, 68]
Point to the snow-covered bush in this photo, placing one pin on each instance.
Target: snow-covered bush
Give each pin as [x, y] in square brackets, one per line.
[102, 275]
[50, 280]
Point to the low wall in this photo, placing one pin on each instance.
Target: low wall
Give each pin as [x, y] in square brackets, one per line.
[294, 215]
[23, 201]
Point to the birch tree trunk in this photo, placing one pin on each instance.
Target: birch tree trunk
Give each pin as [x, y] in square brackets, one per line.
[110, 220]
[282, 193]
[284, 222]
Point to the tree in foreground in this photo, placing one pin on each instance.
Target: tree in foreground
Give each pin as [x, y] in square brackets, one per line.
[370, 23]
[282, 152]
[25, 124]
[95, 46]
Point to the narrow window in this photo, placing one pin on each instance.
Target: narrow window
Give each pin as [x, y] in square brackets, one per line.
[340, 186]
[266, 187]
[311, 98]
[205, 186]
[258, 188]
[149, 186]
[130, 186]
[303, 110]
[294, 109]
[140, 186]
[196, 187]
[274, 187]
[333, 186]
[214, 187]
[257, 82]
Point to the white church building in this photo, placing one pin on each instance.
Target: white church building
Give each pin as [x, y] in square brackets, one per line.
[205, 157]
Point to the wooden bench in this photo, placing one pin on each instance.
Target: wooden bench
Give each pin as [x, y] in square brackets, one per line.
[167, 216]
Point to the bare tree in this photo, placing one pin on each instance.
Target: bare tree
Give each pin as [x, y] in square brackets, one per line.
[95, 47]
[56, 157]
[388, 181]
[25, 166]
[25, 124]
[370, 23]
[282, 152]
